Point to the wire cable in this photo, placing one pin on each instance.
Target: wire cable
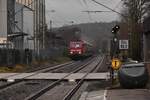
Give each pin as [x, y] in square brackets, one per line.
[109, 8]
[90, 17]
[117, 5]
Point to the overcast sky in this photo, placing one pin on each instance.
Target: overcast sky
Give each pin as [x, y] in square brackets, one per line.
[67, 11]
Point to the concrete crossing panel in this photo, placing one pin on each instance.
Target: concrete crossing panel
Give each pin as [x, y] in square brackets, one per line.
[5, 75]
[51, 76]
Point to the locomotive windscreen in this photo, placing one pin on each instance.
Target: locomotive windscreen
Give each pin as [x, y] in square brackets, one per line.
[75, 44]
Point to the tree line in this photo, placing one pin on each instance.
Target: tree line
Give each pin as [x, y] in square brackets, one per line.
[135, 12]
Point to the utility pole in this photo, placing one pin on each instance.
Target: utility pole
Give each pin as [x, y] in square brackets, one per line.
[51, 22]
[44, 23]
[34, 24]
[37, 26]
[115, 42]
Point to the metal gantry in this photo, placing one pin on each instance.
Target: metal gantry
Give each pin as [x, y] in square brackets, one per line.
[39, 20]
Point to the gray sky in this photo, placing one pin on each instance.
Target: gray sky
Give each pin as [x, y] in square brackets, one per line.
[71, 10]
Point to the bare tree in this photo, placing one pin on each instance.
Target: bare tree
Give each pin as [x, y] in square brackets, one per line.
[135, 10]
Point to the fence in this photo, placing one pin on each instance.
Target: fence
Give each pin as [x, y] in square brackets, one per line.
[9, 57]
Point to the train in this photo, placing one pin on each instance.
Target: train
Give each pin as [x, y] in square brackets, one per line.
[133, 75]
[80, 49]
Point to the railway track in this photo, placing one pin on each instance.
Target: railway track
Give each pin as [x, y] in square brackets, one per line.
[14, 84]
[48, 68]
[80, 83]
[73, 90]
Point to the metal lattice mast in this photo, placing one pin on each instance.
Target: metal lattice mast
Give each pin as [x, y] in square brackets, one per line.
[39, 25]
[38, 7]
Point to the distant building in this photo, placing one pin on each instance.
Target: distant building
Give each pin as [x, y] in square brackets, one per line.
[27, 3]
[7, 20]
[24, 26]
[4, 43]
[16, 23]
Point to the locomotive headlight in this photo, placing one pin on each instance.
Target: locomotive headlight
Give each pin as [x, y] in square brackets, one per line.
[79, 52]
[71, 52]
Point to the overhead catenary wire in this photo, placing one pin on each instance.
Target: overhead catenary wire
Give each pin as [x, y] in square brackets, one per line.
[80, 2]
[85, 2]
[90, 17]
[54, 11]
[56, 19]
[59, 18]
[109, 8]
[118, 5]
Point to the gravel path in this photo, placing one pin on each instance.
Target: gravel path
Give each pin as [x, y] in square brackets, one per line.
[22, 90]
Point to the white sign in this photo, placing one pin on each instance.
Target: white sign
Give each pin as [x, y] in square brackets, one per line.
[3, 40]
[123, 44]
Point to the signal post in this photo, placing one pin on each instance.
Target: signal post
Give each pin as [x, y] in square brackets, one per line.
[115, 61]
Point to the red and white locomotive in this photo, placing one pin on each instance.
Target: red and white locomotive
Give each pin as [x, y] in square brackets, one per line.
[79, 49]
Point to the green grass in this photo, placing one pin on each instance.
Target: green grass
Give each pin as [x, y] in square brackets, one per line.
[23, 68]
[61, 59]
[14, 69]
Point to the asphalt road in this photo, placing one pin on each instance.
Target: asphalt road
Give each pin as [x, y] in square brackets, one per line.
[117, 94]
[128, 94]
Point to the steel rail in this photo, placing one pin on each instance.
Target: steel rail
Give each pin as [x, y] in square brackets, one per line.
[40, 70]
[76, 88]
[51, 86]
[35, 73]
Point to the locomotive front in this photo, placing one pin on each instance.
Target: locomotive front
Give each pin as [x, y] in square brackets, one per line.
[76, 48]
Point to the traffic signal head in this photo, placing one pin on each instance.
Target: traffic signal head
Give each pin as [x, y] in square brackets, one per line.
[115, 29]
